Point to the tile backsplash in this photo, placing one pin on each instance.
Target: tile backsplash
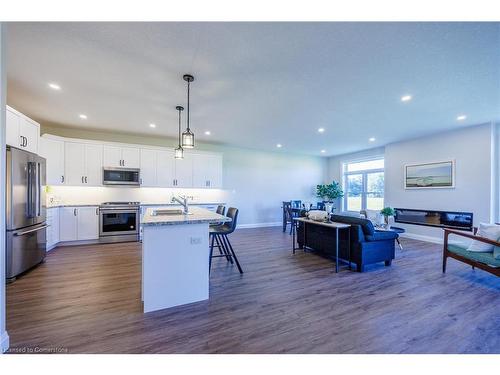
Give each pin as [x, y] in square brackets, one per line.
[95, 195]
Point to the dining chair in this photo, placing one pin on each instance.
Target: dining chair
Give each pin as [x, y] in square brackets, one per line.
[286, 219]
[297, 204]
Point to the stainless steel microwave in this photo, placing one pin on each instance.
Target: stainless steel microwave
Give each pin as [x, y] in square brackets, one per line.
[121, 176]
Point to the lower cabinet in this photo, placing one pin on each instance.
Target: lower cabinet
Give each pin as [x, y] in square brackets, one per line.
[78, 223]
[53, 227]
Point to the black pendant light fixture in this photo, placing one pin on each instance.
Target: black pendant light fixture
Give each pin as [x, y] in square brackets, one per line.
[188, 136]
[179, 151]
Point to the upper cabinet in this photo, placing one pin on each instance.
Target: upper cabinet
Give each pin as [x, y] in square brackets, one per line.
[183, 171]
[83, 164]
[53, 151]
[76, 162]
[207, 170]
[127, 157]
[22, 132]
[165, 164]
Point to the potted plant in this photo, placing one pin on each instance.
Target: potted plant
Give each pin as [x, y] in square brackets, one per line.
[387, 212]
[329, 192]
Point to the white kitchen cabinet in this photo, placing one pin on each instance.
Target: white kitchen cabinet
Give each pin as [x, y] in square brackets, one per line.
[131, 157]
[78, 223]
[53, 227]
[53, 151]
[148, 167]
[87, 223]
[183, 176]
[83, 164]
[21, 131]
[207, 170]
[68, 224]
[12, 128]
[127, 157]
[93, 165]
[165, 165]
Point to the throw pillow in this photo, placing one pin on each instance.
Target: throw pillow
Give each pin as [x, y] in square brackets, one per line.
[490, 231]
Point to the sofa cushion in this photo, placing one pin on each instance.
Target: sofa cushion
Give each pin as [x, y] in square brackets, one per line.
[366, 225]
[381, 235]
[486, 258]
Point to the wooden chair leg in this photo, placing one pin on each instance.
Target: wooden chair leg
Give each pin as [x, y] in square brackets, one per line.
[444, 262]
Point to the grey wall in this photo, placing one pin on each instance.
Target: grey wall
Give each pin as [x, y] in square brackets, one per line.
[475, 151]
[254, 181]
[471, 148]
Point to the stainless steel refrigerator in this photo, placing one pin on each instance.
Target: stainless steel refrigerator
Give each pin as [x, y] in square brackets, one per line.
[25, 211]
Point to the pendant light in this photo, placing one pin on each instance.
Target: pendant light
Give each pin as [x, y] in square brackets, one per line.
[179, 151]
[188, 136]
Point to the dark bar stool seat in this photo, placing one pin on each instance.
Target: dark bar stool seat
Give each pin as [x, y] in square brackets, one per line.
[219, 234]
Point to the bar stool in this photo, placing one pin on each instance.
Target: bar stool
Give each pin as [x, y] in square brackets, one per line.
[220, 234]
[221, 210]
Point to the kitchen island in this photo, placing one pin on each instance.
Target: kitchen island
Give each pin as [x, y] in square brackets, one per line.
[175, 256]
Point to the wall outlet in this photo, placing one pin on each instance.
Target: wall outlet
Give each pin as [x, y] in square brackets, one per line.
[195, 240]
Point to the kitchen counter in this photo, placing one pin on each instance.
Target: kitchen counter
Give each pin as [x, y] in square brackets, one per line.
[175, 258]
[142, 204]
[197, 215]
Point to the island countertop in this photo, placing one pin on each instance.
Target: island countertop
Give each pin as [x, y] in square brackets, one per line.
[196, 215]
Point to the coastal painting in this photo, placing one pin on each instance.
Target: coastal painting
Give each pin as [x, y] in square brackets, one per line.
[430, 175]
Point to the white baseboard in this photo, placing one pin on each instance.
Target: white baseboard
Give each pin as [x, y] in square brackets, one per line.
[4, 342]
[260, 225]
[421, 237]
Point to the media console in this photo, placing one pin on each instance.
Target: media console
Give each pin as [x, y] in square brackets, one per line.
[434, 218]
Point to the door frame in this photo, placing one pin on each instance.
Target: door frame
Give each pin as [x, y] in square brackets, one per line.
[4, 336]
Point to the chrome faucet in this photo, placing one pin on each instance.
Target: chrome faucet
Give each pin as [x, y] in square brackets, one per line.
[183, 201]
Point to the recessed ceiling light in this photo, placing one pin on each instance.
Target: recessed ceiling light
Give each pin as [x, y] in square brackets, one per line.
[207, 132]
[406, 98]
[82, 116]
[372, 139]
[321, 130]
[152, 125]
[323, 151]
[461, 117]
[54, 86]
[279, 145]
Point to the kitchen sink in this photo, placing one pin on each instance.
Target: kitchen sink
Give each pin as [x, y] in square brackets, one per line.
[169, 212]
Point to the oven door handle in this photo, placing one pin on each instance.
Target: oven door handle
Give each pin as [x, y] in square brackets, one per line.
[118, 209]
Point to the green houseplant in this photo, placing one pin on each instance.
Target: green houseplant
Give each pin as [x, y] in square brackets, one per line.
[387, 212]
[329, 192]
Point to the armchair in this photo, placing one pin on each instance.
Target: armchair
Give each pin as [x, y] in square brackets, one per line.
[484, 261]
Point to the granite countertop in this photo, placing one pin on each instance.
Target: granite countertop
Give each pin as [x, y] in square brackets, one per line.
[197, 215]
[55, 205]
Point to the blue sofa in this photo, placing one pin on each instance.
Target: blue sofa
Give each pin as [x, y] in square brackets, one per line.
[367, 245]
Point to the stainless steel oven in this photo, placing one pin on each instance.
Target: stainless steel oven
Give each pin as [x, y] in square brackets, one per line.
[119, 221]
[121, 176]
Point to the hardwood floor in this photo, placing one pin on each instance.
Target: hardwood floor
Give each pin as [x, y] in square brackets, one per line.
[86, 299]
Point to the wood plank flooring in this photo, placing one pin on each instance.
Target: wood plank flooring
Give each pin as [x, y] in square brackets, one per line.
[86, 299]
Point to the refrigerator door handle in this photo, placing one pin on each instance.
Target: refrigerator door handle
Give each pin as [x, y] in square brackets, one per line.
[38, 190]
[30, 231]
[29, 202]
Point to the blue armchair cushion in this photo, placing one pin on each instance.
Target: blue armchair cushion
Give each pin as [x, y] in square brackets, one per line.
[381, 235]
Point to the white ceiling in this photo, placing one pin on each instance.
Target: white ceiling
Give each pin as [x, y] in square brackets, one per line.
[259, 84]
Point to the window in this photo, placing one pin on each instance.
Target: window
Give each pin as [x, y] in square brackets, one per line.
[364, 185]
